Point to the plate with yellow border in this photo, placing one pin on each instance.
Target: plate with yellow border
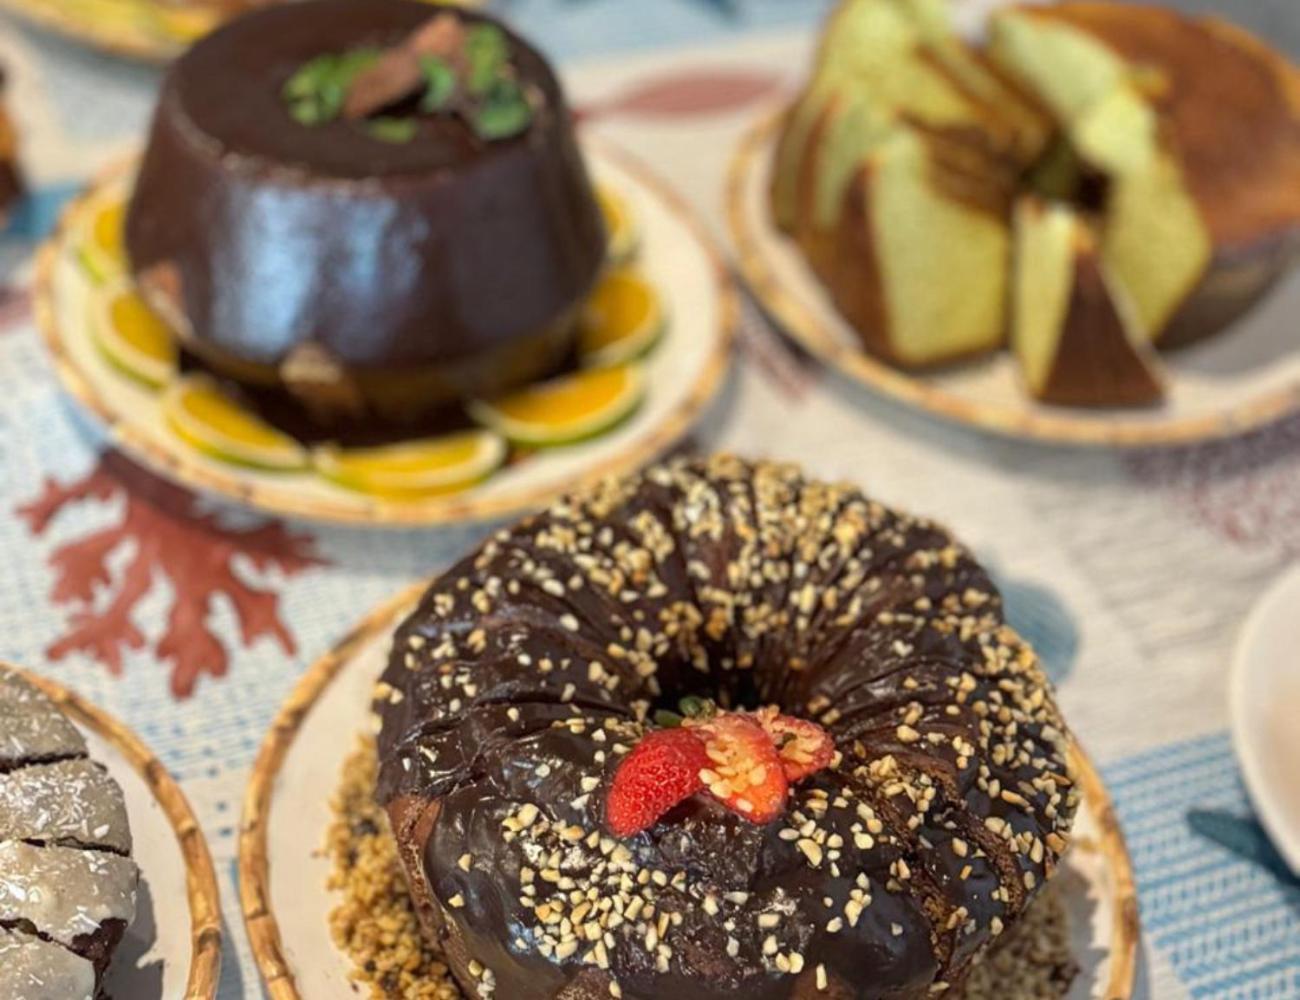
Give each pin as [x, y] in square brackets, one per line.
[286, 903]
[1244, 379]
[173, 947]
[671, 366]
[151, 30]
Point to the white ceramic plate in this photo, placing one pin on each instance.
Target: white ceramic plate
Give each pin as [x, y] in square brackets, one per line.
[1264, 696]
[173, 947]
[1246, 377]
[286, 813]
[684, 372]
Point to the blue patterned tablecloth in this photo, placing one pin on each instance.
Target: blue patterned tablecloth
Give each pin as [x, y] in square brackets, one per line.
[1130, 573]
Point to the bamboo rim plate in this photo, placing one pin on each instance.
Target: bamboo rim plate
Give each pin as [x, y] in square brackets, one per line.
[148, 30]
[1244, 379]
[175, 865]
[282, 873]
[684, 373]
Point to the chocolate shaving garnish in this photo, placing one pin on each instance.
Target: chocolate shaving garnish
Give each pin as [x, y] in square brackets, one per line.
[399, 74]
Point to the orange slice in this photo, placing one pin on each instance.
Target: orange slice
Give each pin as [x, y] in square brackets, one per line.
[101, 245]
[415, 469]
[202, 415]
[565, 410]
[132, 336]
[622, 321]
[621, 225]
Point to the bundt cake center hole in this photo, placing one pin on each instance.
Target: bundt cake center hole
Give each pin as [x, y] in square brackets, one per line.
[733, 691]
[1062, 174]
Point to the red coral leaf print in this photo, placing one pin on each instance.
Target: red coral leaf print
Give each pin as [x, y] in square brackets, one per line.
[172, 540]
[685, 94]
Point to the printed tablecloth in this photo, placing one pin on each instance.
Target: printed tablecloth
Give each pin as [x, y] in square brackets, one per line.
[1131, 573]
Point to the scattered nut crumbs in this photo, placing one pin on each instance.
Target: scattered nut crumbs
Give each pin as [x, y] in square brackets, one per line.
[1034, 961]
[374, 923]
[376, 926]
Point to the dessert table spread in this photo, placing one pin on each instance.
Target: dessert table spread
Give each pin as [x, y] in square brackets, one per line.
[1130, 571]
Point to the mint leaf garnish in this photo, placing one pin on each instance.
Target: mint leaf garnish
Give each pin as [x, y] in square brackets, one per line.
[440, 80]
[487, 53]
[316, 91]
[505, 112]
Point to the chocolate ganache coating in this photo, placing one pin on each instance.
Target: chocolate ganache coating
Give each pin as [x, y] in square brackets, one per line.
[531, 668]
[67, 881]
[413, 272]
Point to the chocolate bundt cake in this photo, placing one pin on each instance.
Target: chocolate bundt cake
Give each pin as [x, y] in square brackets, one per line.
[523, 724]
[67, 881]
[379, 208]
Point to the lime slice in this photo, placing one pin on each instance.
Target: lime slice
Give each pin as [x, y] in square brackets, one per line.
[565, 410]
[202, 415]
[621, 225]
[101, 245]
[622, 321]
[415, 469]
[132, 336]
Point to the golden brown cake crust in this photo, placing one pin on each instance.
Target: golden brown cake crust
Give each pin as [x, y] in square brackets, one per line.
[1230, 104]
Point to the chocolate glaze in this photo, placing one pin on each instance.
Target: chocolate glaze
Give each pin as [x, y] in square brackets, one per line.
[67, 887]
[528, 670]
[429, 270]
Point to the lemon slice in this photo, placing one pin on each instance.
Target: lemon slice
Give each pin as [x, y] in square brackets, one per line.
[415, 469]
[621, 225]
[565, 410]
[132, 336]
[622, 321]
[102, 245]
[201, 414]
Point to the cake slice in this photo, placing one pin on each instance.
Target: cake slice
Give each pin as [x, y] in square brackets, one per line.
[892, 61]
[67, 881]
[921, 261]
[1072, 329]
[1203, 210]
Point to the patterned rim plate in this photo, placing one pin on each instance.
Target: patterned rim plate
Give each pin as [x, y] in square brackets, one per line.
[684, 373]
[286, 812]
[173, 949]
[138, 29]
[1242, 380]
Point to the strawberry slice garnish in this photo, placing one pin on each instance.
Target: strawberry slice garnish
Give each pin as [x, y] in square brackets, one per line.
[746, 761]
[661, 771]
[744, 770]
[804, 746]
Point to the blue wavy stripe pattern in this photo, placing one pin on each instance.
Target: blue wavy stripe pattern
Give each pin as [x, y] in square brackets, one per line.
[1217, 900]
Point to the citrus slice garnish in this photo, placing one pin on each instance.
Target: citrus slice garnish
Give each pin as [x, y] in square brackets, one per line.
[132, 336]
[565, 410]
[415, 469]
[621, 321]
[621, 225]
[183, 25]
[205, 417]
[101, 245]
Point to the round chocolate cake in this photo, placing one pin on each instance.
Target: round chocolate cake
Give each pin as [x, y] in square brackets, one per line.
[67, 881]
[868, 786]
[379, 207]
